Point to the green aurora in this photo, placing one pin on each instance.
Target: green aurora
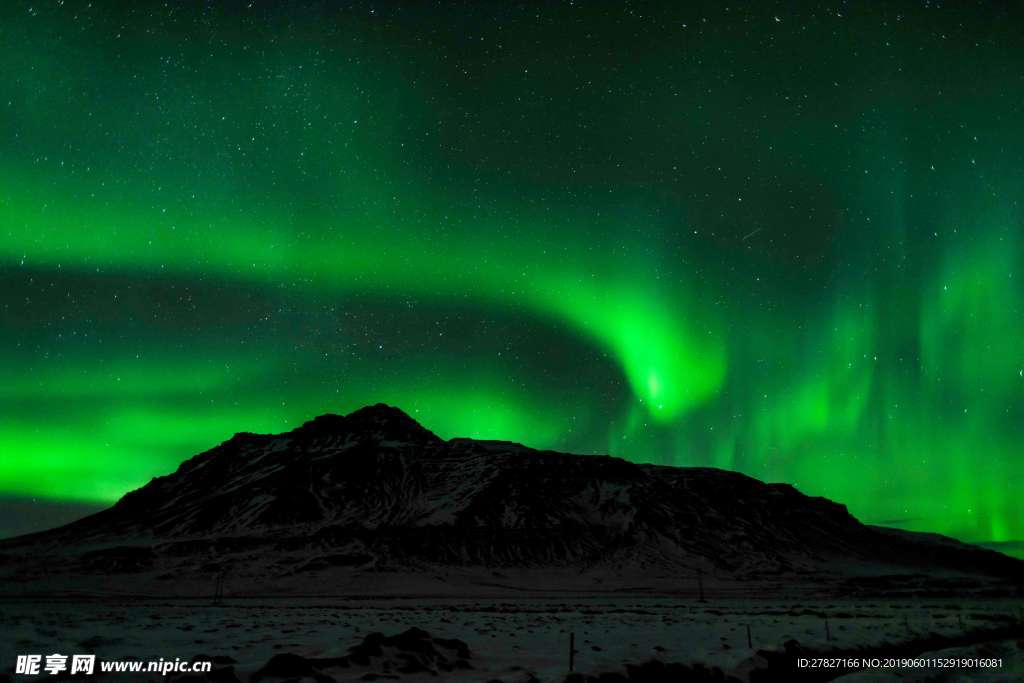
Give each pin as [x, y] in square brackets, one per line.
[786, 240]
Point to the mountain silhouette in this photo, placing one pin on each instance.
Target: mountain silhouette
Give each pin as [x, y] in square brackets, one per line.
[372, 501]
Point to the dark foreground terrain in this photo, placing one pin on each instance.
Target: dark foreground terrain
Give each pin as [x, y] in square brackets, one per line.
[525, 639]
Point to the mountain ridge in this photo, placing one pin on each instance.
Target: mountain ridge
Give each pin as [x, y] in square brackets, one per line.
[349, 499]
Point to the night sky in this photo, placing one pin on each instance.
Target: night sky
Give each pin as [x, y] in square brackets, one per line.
[779, 240]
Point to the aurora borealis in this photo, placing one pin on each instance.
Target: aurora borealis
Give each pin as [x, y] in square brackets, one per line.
[780, 239]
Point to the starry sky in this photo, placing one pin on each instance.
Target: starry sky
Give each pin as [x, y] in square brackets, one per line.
[781, 238]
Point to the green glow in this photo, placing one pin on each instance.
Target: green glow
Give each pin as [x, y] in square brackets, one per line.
[138, 435]
[797, 258]
[972, 327]
[669, 366]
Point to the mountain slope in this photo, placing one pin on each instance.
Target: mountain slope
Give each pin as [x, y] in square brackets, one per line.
[372, 499]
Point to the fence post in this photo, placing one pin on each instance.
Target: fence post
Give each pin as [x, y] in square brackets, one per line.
[828, 633]
[572, 651]
[750, 642]
[700, 585]
[218, 589]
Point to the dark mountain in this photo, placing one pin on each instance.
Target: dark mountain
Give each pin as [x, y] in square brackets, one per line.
[372, 501]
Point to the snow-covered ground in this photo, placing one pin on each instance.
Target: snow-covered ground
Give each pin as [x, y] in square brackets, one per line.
[509, 640]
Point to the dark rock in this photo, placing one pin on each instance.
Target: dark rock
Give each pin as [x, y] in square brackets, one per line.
[224, 674]
[288, 666]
